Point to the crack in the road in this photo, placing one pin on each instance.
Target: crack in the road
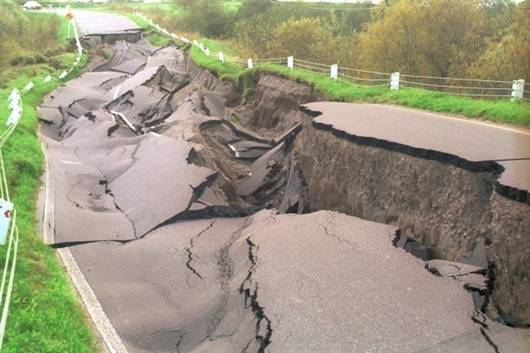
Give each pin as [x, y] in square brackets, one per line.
[479, 318]
[192, 244]
[251, 301]
[335, 235]
[68, 244]
[226, 272]
[124, 213]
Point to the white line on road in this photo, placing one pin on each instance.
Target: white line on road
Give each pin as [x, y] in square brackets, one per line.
[107, 331]
[129, 124]
[70, 162]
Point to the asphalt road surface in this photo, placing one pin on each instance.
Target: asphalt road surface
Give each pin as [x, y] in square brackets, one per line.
[472, 140]
[96, 22]
[136, 183]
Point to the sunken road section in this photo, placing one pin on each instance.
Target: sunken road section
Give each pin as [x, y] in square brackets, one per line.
[454, 186]
[187, 208]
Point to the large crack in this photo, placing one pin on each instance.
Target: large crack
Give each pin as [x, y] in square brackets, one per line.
[226, 272]
[263, 323]
[192, 244]
[490, 166]
[480, 319]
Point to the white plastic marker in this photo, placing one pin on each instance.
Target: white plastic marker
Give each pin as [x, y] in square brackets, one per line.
[14, 117]
[27, 87]
[47, 79]
[6, 210]
[63, 74]
[15, 106]
[14, 99]
[131, 126]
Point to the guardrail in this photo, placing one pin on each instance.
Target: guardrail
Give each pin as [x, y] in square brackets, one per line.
[456, 86]
[8, 214]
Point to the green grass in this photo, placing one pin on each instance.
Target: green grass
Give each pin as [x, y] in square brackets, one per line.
[157, 39]
[501, 111]
[45, 314]
[64, 34]
[218, 46]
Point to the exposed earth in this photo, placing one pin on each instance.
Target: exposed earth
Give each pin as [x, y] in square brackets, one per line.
[209, 221]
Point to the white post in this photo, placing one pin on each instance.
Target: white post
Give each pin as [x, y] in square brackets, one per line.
[290, 62]
[221, 57]
[334, 71]
[517, 90]
[250, 64]
[207, 51]
[394, 81]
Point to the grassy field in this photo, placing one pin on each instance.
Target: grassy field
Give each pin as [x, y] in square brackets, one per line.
[45, 314]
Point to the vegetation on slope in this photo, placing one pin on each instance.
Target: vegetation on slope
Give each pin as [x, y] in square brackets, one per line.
[45, 314]
[360, 35]
[503, 111]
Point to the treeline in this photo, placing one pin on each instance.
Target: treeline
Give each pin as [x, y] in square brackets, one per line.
[26, 38]
[468, 38]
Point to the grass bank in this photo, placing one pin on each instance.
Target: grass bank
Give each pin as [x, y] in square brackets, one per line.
[500, 111]
[45, 314]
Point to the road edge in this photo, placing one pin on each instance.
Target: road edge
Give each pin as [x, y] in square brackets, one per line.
[106, 331]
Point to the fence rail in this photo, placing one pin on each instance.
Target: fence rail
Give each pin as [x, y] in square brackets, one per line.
[516, 90]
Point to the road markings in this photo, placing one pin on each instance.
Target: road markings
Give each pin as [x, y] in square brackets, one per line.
[107, 331]
[70, 162]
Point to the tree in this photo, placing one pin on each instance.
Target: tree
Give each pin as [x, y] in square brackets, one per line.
[437, 37]
[396, 39]
[308, 39]
[456, 31]
[206, 17]
[508, 58]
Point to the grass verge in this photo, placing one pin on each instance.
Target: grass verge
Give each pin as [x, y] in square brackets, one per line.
[500, 111]
[45, 314]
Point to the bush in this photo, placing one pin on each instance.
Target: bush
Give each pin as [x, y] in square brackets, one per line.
[28, 60]
[40, 59]
[17, 60]
[56, 63]
[208, 18]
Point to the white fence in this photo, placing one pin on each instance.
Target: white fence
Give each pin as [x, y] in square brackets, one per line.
[516, 89]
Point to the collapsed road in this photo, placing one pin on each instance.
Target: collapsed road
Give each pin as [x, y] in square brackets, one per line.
[205, 221]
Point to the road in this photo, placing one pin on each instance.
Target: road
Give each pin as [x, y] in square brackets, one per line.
[169, 258]
[471, 140]
[96, 22]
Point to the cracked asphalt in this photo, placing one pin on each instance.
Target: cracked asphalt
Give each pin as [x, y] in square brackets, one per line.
[468, 139]
[181, 260]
